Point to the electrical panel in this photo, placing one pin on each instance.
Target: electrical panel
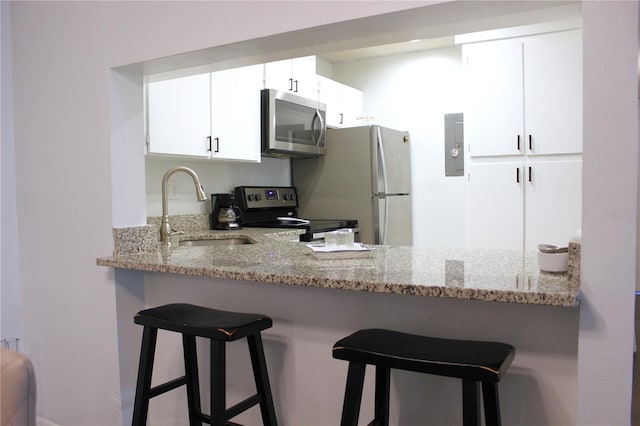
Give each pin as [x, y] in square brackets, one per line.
[454, 144]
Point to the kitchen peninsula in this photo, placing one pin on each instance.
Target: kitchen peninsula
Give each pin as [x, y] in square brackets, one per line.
[476, 294]
[490, 275]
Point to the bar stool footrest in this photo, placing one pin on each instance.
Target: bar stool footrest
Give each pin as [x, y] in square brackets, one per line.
[167, 386]
[243, 406]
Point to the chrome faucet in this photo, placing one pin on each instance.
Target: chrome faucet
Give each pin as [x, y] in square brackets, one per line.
[165, 228]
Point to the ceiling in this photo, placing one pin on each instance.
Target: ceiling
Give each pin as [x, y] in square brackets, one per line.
[388, 49]
[380, 35]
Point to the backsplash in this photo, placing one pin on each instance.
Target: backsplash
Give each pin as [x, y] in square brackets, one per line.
[184, 223]
[215, 176]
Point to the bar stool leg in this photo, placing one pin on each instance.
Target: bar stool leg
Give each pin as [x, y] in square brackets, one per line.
[491, 404]
[470, 403]
[261, 377]
[193, 382]
[218, 383]
[382, 396]
[145, 370]
[353, 394]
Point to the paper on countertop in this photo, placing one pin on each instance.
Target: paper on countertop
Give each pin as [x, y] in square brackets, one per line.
[354, 251]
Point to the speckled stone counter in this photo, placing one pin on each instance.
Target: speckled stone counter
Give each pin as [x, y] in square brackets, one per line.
[489, 275]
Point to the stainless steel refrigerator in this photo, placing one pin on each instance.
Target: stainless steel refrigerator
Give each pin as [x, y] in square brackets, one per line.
[364, 175]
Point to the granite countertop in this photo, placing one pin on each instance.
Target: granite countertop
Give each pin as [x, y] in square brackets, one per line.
[490, 275]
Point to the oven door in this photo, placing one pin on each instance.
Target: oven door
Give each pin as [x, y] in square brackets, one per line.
[292, 126]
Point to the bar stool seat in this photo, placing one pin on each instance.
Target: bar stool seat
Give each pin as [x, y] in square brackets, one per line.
[219, 327]
[474, 362]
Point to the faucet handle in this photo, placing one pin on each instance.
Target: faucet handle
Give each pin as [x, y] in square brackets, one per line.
[173, 232]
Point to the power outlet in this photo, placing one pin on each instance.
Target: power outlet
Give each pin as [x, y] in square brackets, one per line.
[172, 191]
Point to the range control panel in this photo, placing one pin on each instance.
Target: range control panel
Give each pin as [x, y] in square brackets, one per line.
[264, 197]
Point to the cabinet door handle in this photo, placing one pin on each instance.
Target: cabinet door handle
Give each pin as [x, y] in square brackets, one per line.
[518, 143]
[217, 144]
[529, 173]
[296, 82]
[209, 138]
[530, 145]
[517, 174]
[341, 118]
[291, 84]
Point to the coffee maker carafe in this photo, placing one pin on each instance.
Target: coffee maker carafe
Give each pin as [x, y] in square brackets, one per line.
[224, 213]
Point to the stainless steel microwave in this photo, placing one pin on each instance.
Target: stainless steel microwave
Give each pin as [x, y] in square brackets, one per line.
[292, 126]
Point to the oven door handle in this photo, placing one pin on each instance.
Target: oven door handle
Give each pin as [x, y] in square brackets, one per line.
[320, 235]
[317, 236]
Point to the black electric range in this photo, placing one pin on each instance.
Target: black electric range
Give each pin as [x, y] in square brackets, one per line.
[276, 207]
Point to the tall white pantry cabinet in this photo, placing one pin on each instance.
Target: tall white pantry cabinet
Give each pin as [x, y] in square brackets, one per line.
[523, 131]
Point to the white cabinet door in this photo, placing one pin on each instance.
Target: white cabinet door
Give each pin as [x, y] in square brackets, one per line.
[493, 109]
[553, 93]
[330, 94]
[496, 193]
[235, 113]
[553, 200]
[178, 116]
[296, 75]
[513, 205]
[351, 106]
[524, 95]
[344, 103]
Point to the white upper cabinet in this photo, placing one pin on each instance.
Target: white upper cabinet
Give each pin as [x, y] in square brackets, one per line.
[235, 113]
[214, 115]
[296, 75]
[524, 95]
[351, 106]
[553, 93]
[493, 98]
[178, 120]
[344, 103]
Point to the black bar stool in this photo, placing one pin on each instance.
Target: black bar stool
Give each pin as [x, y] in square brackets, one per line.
[472, 361]
[220, 327]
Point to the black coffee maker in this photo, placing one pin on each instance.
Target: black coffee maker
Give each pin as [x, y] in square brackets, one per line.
[225, 214]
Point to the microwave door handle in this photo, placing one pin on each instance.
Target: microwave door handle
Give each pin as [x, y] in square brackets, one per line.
[322, 127]
[317, 118]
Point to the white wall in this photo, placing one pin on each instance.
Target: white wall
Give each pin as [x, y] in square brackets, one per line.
[62, 56]
[609, 211]
[215, 177]
[413, 92]
[62, 53]
[10, 291]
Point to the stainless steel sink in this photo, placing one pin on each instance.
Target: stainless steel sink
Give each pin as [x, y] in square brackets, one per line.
[215, 242]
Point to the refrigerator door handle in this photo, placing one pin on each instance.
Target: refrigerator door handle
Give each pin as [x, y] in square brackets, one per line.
[381, 162]
[380, 223]
[382, 194]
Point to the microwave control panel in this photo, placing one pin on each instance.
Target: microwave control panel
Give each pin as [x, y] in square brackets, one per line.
[261, 197]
